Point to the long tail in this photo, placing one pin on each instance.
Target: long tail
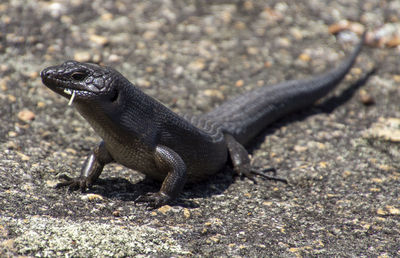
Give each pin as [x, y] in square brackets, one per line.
[245, 116]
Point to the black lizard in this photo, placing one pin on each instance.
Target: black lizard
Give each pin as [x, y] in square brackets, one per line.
[142, 134]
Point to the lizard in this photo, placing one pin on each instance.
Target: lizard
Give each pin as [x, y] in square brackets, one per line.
[142, 134]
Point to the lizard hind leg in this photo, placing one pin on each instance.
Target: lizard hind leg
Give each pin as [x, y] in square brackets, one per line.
[242, 165]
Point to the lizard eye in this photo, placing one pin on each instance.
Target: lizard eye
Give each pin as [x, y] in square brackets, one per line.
[78, 76]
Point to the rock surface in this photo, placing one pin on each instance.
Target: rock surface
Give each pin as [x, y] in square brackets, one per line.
[343, 198]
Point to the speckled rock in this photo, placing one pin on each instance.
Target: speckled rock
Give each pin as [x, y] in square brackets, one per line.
[343, 196]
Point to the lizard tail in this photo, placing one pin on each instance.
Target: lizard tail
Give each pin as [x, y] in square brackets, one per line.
[244, 117]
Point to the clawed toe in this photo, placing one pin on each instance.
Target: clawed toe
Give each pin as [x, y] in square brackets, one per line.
[263, 174]
[72, 183]
[154, 200]
[65, 177]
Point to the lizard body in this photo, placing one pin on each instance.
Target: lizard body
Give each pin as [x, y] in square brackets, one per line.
[142, 134]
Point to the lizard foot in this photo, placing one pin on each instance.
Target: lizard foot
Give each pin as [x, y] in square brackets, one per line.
[263, 174]
[154, 200]
[73, 184]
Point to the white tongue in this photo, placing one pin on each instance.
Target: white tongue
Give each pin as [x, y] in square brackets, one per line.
[72, 98]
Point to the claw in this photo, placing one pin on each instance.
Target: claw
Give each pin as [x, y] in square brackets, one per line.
[72, 183]
[262, 173]
[154, 200]
[64, 177]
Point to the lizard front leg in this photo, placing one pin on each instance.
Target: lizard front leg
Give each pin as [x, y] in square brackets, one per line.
[168, 160]
[91, 170]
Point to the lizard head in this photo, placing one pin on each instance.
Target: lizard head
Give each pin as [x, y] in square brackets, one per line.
[81, 82]
[107, 100]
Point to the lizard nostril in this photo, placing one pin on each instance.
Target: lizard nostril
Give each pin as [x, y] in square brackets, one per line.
[44, 73]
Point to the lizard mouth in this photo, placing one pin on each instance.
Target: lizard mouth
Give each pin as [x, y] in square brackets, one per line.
[79, 82]
[59, 86]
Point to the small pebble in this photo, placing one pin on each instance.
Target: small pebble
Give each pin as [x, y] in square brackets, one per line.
[214, 93]
[92, 197]
[99, 40]
[26, 115]
[366, 98]
[82, 56]
[164, 209]
[239, 83]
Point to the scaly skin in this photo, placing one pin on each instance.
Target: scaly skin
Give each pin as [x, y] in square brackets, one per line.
[142, 134]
